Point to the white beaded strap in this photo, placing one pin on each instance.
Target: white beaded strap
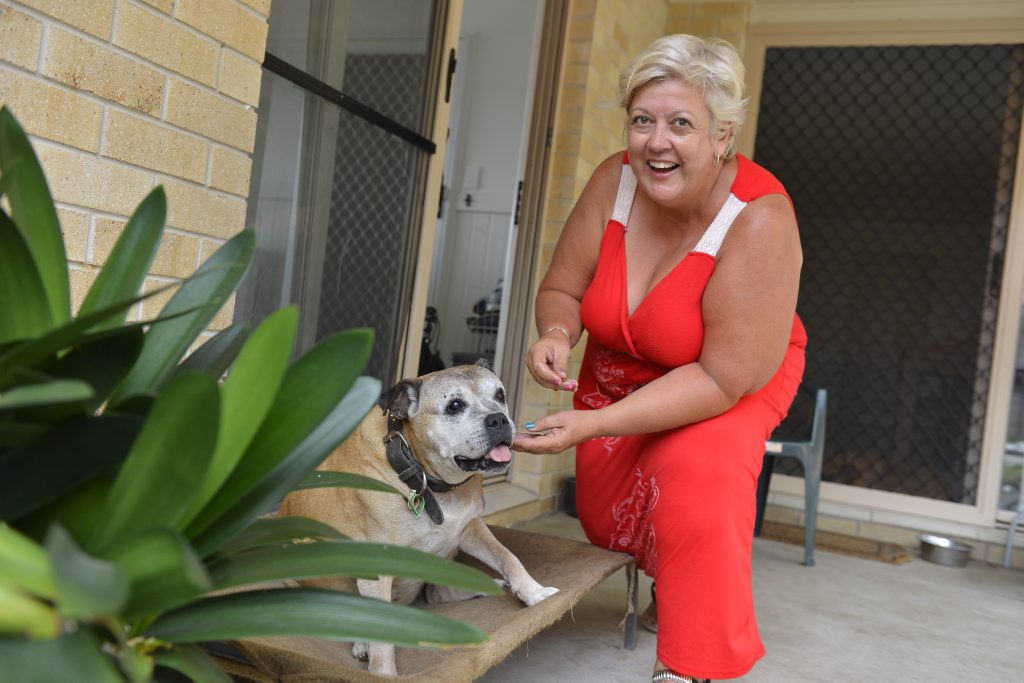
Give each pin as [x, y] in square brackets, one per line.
[715, 234]
[666, 675]
[624, 198]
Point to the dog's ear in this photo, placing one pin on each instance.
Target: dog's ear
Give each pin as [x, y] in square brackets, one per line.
[482, 362]
[402, 398]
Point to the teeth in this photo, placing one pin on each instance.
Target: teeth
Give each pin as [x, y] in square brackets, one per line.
[661, 164]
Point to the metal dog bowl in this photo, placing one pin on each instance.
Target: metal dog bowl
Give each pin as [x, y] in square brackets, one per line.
[944, 551]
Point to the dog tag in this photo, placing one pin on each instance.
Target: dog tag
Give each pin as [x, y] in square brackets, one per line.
[416, 503]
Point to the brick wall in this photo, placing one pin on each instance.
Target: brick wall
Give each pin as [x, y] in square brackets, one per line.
[124, 95]
[725, 20]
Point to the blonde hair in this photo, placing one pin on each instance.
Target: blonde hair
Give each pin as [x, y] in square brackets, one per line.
[712, 65]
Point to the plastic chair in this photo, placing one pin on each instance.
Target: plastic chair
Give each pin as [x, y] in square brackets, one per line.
[809, 453]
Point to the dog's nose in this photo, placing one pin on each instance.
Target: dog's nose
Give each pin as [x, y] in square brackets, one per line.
[497, 423]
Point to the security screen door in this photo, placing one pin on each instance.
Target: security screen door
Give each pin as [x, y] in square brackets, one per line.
[343, 160]
[900, 163]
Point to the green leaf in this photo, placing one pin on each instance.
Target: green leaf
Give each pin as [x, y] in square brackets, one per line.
[25, 564]
[261, 498]
[359, 559]
[156, 484]
[163, 569]
[58, 462]
[73, 657]
[102, 362]
[22, 291]
[217, 354]
[273, 531]
[191, 661]
[203, 294]
[301, 404]
[310, 612]
[78, 512]
[46, 393]
[247, 396]
[24, 615]
[15, 358]
[129, 261]
[33, 211]
[326, 479]
[87, 586]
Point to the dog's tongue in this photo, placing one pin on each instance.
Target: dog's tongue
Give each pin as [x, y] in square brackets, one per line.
[500, 453]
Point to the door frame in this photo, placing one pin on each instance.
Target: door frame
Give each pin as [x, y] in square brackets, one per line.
[851, 499]
[428, 195]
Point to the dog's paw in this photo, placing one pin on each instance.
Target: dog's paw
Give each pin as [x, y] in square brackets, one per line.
[534, 594]
[361, 651]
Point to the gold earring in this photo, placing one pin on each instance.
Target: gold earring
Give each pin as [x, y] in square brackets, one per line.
[718, 159]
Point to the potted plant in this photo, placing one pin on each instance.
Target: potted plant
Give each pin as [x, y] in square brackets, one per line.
[136, 480]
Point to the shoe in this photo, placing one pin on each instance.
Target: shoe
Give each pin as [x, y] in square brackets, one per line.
[649, 619]
[666, 675]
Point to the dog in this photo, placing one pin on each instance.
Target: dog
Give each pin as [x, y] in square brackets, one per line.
[436, 437]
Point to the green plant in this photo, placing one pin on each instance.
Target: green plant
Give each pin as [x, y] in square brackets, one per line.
[135, 485]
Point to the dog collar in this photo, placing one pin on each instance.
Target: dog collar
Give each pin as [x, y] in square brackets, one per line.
[421, 485]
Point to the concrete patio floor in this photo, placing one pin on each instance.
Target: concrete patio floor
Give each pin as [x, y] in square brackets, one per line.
[846, 619]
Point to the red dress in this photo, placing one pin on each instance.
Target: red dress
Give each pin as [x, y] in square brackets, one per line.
[681, 501]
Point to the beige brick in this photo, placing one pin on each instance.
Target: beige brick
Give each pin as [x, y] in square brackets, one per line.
[91, 16]
[155, 145]
[240, 78]
[230, 171]
[836, 525]
[227, 22]
[261, 6]
[151, 307]
[211, 115]
[224, 316]
[521, 513]
[889, 534]
[175, 257]
[50, 112]
[92, 182]
[74, 226]
[20, 37]
[81, 280]
[84, 65]
[720, 8]
[203, 211]
[163, 42]
[783, 515]
[164, 6]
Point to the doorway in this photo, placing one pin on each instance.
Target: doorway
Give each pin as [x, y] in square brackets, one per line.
[346, 164]
[484, 166]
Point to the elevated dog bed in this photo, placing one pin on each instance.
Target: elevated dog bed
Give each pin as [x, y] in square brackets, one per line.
[571, 566]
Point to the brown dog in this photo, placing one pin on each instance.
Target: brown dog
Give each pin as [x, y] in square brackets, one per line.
[442, 432]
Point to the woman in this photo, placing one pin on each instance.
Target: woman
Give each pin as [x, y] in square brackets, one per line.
[682, 261]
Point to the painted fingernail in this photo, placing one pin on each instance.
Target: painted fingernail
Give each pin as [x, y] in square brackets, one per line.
[529, 425]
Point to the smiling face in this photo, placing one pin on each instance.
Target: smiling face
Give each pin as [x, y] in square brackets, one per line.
[672, 148]
[457, 422]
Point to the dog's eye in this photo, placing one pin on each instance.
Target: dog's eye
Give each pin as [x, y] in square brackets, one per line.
[455, 406]
[499, 395]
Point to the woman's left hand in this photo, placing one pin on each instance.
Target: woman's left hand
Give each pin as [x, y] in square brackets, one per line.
[556, 433]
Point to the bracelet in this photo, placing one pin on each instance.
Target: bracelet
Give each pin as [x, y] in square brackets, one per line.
[560, 329]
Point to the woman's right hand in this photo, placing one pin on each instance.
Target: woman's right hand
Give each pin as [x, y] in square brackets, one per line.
[548, 358]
